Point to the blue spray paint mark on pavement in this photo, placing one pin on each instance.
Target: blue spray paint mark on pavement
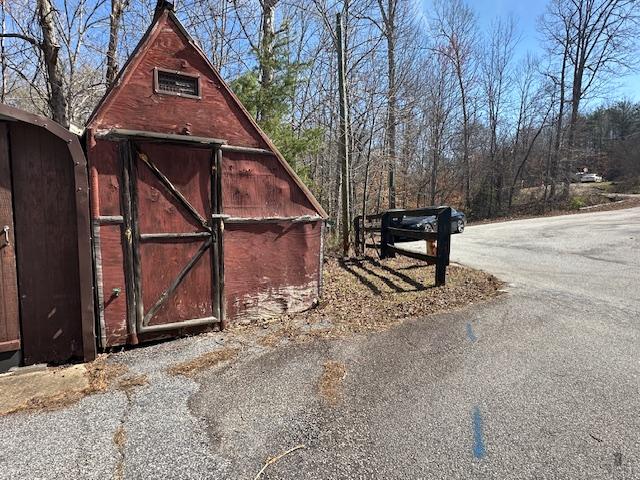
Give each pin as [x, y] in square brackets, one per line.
[478, 442]
[470, 334]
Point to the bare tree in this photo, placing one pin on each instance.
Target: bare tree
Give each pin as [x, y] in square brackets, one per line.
[496, 85]
[388, 12]
[604, 38]
[456, 32]
[47, 18]
[594, 38]
[536, 101]
[438, 109]
[115, 18]
[556, 25]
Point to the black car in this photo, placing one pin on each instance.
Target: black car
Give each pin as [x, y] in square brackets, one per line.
[430, 224]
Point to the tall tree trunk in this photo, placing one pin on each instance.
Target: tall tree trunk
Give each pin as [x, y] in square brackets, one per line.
[389, 20]
[434, 172]
[344, 140]
[576, 95]
[3, 58]
[50, 48]
[391, 117]
[117, 9]
[466, 164]
[365, 191]
[266, 55]
[555, 159]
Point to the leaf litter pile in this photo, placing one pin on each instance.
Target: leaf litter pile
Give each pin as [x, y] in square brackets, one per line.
[364, 295]
[192, 367]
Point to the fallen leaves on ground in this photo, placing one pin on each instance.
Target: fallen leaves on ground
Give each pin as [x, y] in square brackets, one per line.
[330, 384]
[101, 376]
[207, 360]
[363, 295]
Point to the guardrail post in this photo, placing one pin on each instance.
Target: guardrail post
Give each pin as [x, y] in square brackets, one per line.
[385, 237]
[444, 246]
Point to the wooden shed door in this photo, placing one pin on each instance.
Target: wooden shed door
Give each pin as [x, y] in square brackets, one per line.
[176, 245]
[9, 316]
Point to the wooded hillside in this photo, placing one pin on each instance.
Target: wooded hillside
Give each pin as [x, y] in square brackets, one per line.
[441, 111]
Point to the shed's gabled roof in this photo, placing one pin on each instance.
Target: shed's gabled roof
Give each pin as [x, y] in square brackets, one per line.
[166, 17]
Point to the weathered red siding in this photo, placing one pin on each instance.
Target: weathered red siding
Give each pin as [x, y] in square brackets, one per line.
[271, 269]
[114, 306]
[258, 186]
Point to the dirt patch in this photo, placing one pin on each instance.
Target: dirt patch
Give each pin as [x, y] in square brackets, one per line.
[273, 337]
[369, 294]
[330, 384]
[119, 437]
[55, 388]
[205, 361]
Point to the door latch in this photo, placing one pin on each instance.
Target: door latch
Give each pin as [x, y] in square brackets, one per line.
[5, 231]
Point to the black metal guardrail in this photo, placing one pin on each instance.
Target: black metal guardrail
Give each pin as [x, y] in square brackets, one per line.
[389, 229]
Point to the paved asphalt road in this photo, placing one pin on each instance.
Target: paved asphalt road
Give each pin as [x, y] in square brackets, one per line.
[542, 383]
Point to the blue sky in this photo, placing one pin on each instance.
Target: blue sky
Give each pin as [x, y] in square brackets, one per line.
[526, 14]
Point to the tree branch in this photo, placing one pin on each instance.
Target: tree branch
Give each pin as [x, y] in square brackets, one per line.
[33, 41]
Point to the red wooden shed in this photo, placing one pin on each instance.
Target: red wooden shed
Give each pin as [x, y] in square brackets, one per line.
[197, 219]
[46, 296]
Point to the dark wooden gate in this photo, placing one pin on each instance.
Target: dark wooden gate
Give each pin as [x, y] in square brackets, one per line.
[46, 293]
[171, 206]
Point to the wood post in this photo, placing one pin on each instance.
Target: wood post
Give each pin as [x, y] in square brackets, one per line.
[218, 228]
[443, 248]
[390, 228]
[386, 238]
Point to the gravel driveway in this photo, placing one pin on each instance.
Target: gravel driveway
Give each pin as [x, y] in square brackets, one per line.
[542, 383]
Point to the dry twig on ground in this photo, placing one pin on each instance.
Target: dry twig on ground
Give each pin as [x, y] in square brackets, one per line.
[273, 460]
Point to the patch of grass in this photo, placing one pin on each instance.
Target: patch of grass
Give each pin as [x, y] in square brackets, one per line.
[576, 203]
[630, 185]
[205, 361]
[330, 384]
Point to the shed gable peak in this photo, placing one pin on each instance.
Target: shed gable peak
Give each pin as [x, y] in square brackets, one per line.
[169, 86]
